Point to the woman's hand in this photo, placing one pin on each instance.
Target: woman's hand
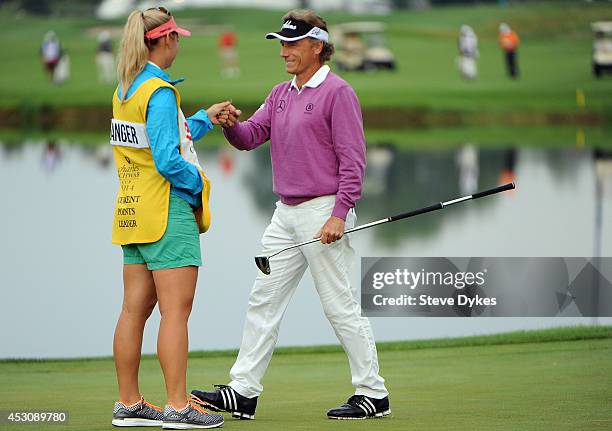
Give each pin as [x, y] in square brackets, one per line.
[218, 112]
[224, 114]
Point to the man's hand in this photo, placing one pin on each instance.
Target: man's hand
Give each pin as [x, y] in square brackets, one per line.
[231, 118]
[332, 230]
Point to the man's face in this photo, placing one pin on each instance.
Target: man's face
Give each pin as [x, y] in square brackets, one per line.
[300, 55]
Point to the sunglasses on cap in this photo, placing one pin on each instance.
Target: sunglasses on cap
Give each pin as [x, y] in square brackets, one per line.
[161, 9]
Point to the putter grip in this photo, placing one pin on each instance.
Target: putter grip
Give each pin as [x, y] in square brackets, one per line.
[503, 188]
[435, 207]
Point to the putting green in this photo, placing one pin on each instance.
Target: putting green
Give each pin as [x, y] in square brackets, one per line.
[557, 379]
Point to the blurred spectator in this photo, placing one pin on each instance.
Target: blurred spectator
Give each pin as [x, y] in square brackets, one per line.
[51, 52]
[105, 60]
[103, 155]
[354, 51]
[226, 161]
[62, 71]
[507, 173]
[229, 55]
[467, 162]
[379, 161]
[468, 52]
[51, 157]
[509, 42]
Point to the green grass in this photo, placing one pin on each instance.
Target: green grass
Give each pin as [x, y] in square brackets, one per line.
[558, 379]
[554, 60]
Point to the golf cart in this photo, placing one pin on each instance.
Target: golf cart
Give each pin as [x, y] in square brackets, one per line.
[602, 47]
[361, 46]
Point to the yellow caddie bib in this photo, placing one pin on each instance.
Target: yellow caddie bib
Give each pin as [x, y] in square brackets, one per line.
[141, 210]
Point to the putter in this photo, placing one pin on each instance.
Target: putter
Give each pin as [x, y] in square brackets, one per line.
[263, 262]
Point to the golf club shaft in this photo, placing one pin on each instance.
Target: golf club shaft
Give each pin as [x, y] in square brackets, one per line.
[435, 207]
[442, 205]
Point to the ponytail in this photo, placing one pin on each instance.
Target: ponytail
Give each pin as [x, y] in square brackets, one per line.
[134, 52]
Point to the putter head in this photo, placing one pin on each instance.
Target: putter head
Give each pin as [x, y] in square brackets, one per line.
[263, 263]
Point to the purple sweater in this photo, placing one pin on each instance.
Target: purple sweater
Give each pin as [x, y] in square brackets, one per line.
[317, 143]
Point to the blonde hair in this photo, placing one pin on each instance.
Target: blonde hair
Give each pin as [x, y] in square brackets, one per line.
[134, 50]
[310, 17]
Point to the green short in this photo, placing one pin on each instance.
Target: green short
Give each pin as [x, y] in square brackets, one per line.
[180, 245]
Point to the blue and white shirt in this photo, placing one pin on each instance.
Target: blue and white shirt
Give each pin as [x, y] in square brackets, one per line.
[163, 132]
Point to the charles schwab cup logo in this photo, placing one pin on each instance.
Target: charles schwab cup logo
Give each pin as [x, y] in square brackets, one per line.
[288, 25]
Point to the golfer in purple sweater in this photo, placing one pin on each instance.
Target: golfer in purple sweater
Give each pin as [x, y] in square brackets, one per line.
[314, 126]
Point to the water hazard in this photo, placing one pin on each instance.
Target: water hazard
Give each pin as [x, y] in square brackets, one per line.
[62, 288]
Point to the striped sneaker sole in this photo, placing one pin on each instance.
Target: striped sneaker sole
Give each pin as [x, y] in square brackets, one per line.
[186, 426]
[378, 415]
[136, 422]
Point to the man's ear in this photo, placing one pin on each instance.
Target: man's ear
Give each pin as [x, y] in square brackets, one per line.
[319, 47]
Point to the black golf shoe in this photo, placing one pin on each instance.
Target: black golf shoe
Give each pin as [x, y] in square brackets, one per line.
[361, 407]
[225, 399]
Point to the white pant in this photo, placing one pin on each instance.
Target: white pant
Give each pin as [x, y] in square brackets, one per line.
[270, 295]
